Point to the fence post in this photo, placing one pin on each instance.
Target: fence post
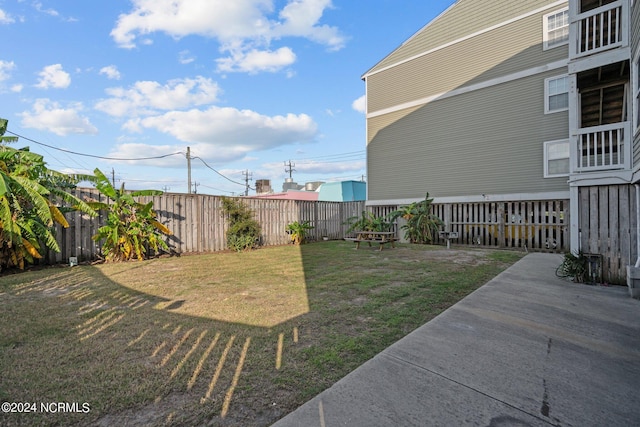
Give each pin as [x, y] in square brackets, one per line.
[501, 219]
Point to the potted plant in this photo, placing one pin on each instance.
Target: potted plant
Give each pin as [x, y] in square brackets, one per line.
[298, 231]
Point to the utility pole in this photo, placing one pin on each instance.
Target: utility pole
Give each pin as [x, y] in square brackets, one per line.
[113, 178]
[195, 187]
[247, 178]
[166, 188]
[189, 170]
[289, 168]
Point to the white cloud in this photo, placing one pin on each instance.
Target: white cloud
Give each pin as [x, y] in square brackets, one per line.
[220, 19]
[360, 104]
[50, 116]
[5, 18]
[53, 76]
[300, 18]
[52, 12]
[255, 61]
[243, 27]
[5, 68]
[16, 88]
[226, 134]
[185, 57]
[314, 168]
[111, 71]
[149, 97]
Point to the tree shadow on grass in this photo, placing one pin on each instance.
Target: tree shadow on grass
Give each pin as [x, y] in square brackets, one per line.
[228, 338]
[76, 335]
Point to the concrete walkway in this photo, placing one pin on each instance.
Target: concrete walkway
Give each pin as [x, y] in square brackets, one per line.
[526, 349]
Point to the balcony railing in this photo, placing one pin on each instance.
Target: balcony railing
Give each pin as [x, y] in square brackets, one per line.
[605, 147]
[599, 29]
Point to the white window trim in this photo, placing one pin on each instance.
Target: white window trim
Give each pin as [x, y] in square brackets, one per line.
[545, 30]
[546, 159]
[635, 92]
[546, 95]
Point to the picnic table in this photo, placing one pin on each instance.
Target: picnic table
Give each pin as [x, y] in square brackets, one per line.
[380, 237]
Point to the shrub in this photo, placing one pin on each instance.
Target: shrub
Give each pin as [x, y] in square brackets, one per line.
[131, 226]
[244, 231]
[298, 231]
[574, 266]
[421, 222]
[367, 221]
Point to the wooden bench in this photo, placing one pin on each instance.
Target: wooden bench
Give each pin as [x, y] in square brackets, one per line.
[379, 237]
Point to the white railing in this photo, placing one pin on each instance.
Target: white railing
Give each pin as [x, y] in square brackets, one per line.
[599, 29]
[604, 147]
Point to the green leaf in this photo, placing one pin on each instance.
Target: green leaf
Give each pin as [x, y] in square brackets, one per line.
[34, 192]
[104, 186]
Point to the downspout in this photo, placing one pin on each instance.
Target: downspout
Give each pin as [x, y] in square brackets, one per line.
[637, 225]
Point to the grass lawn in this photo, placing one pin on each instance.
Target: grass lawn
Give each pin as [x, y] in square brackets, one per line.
[230, 339]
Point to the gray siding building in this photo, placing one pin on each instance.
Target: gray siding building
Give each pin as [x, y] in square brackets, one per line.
[517, 101]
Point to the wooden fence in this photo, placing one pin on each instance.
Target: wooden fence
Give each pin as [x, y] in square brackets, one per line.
[198, 223]
[541, 225]
[607, 228]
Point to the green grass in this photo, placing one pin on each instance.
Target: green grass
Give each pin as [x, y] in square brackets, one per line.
[228, 338]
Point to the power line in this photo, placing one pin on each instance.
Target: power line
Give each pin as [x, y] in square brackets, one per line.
[337, 155]
[217, 189]
[228, 179]
[92, 155]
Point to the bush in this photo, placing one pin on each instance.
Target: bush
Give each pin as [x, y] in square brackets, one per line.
[131, 226]
[367, 221]
[575, 267]
[244, 231]
[422, 223]
[298, 231]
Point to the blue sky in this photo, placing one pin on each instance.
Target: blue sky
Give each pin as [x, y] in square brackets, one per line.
[246, 84]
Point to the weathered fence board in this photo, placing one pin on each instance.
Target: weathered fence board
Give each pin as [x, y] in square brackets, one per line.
[607, 218]
[539, 225]
[199, 225]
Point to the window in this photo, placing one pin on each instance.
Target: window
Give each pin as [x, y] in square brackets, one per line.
[555, 29]
[556, 94]
[556, 158]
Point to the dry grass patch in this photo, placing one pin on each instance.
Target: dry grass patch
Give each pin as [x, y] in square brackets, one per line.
[229, 339]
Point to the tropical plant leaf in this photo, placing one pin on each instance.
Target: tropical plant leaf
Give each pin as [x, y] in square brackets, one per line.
[3, 185]
[31, 250]
[103, 185]
[36, 193]
[57, 216]
[146, 193]
[77, 203]
[160, 227]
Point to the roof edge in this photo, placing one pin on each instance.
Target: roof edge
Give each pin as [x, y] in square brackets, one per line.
[364, 76]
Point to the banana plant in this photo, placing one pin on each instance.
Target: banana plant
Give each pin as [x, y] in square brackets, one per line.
[421, 224]
[298, 231]
[131, 226]
[29, 197]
